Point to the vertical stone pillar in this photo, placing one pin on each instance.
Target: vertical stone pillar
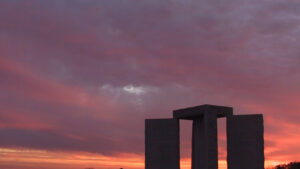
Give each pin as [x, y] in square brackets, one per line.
[245, 142]
[205, 134]
[162, 144]
[205, 142]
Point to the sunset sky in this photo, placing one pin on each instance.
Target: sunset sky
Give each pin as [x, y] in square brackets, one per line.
[78, 78]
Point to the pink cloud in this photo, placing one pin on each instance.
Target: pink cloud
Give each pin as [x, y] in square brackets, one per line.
[57, 57]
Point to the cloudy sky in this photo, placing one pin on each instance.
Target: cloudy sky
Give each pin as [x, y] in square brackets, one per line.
[78, 78]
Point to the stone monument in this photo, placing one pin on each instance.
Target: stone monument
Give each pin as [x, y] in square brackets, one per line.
[244, 133]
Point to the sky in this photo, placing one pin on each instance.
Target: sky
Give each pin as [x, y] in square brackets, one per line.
[78, 78]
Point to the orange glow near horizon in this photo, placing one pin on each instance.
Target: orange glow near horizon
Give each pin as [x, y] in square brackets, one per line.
[70, 160]
[28, 158]
[284, 137]
[79, 78]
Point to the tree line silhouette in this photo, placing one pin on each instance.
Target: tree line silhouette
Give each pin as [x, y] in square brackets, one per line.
[291, 165]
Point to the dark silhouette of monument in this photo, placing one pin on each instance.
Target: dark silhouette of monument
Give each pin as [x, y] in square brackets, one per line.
[245, 143]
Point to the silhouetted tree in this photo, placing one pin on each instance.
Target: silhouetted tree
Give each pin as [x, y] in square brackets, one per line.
[292, 165]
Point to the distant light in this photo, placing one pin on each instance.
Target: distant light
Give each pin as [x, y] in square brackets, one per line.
[134, 90]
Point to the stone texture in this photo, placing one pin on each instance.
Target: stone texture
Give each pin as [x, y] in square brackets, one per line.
[162, 144]
[198, 111]
[245, 142]
[205, 142]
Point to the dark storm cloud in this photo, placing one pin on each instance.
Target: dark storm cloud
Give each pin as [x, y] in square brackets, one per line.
[65, 66]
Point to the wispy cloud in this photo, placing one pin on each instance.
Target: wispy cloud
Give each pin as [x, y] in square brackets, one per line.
[89, 73]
